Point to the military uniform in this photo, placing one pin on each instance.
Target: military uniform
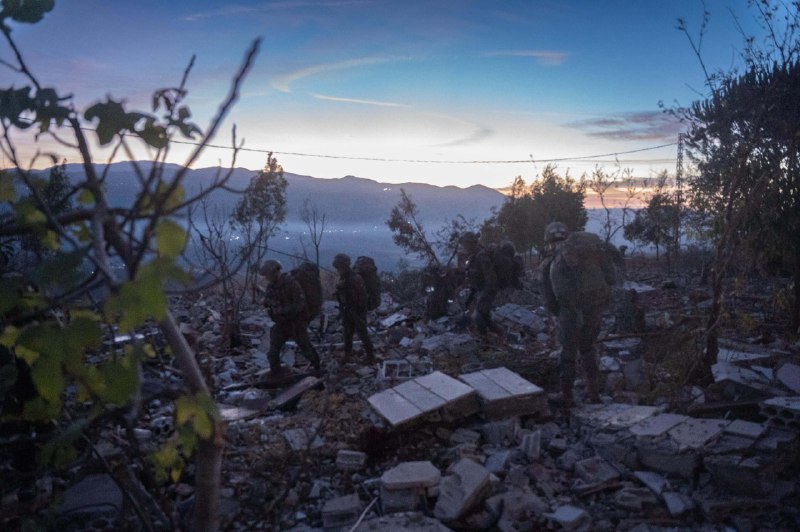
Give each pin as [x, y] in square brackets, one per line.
[286, 303]
[578, 274]
[351, 292]
[481, 279]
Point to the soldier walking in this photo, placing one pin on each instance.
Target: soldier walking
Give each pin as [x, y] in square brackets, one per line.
[351, 292]
[577, 272]
[286, 303]
[482, 279]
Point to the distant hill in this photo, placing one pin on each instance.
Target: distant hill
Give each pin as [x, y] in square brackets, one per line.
[356, 209]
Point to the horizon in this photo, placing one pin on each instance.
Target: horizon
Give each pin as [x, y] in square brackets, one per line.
[446, 93]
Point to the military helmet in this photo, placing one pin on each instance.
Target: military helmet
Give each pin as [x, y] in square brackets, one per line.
[555, 232]
[341, 259]
[507, 247]
[270, 266]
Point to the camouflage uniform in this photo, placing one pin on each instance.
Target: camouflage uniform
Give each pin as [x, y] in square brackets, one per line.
[482, 280]
[351, 292]
[578, 274]
[286, 303]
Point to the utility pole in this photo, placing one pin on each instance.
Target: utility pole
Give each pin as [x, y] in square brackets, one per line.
[678, 193]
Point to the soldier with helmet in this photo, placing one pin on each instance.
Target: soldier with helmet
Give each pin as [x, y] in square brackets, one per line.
[351, 292]
[285, 301]
[482, 280]
[577, 273]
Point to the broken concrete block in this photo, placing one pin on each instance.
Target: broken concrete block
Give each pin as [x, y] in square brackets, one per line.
[341, 512]
[450, 344]
[496, 463]
[635, 499]
[782, 412]
[422, 474]
[666, 457]
[789, 376]
[570, 518]
[347, 460]
[518, 317]
[736, 382]
[655, 482]
[504, 393]
[616, 447]
[462, 435]
[462, 401]
[677, 503]
[719, 509]
[531, 445]
[303, 439]
[743, 476]
[696, 433]
[520, 508]
[396, 370]
[594, 471]
[501, 433]
[402, 522]
[592, 417]
[729, 444]
[461, 489]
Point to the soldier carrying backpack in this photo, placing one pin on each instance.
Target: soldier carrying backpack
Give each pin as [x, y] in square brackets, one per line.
[353, 297]
[577, 274]
[288, 307]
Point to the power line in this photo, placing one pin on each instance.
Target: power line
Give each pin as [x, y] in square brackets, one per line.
[434, 161]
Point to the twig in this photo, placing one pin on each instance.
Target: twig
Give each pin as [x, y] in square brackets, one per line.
[364, 513]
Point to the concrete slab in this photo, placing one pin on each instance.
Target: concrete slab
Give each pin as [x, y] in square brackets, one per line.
[519, 317]
[394, 408]
[570, 518]
[677, 503]
[347, 460]
[461, 489]
[748, 429]
[341, 512]
[444, 386]
[655, 482]
[695, 433]
[504, 393]
[419, 396]
[595, 470]
[656, 426]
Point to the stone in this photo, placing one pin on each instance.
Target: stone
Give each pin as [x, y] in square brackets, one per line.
[450, 344]
[341, 511]
[497, 462]
[631, 416]
[301, 439]
[347, 460]
[520, 508]
[462, 435]
[677, 503]
[666, 457]
[95, 498]
[570, 518]
[404, 522]
[789, 376]
[635, 499]
[518, 317]
[461, 489]
[738, 383]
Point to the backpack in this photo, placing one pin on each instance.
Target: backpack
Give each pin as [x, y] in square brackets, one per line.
[307, 275]
[365, 267]
[508, 266]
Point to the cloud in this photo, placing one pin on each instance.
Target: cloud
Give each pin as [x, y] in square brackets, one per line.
[358, 101]
[283, 83]
[543, 57]
[479, 132]
[237, 9]
[640, 125]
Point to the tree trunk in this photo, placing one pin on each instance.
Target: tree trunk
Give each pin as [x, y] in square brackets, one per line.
[208, 468]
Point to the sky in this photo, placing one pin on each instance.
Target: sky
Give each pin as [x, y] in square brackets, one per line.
[450, 92]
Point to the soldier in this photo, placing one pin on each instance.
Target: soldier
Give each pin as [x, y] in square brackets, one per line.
[578, 272]
[482, 280]
[286, 303]
[351, 292]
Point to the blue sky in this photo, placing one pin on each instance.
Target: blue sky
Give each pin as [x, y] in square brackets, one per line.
[459, 80]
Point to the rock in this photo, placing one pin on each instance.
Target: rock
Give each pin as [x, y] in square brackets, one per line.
[95, 499]
[341, 511]
[570, 518]
[461, 489]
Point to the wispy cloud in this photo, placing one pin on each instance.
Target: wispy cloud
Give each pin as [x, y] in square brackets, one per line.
[358, 101]
[238, 9]
[478, 133]
[543, 57]
[283, 83]
[641, 125]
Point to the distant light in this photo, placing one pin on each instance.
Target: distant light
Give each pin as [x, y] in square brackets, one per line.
[387, 188]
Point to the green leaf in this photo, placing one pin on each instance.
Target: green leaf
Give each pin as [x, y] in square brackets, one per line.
[188, 439]
[26, 10]
[9, 336]
[139, 299]
[48, 378]
[7, 190]
[85, 197]
[121, 379]
[170, 239]
[59, 449]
